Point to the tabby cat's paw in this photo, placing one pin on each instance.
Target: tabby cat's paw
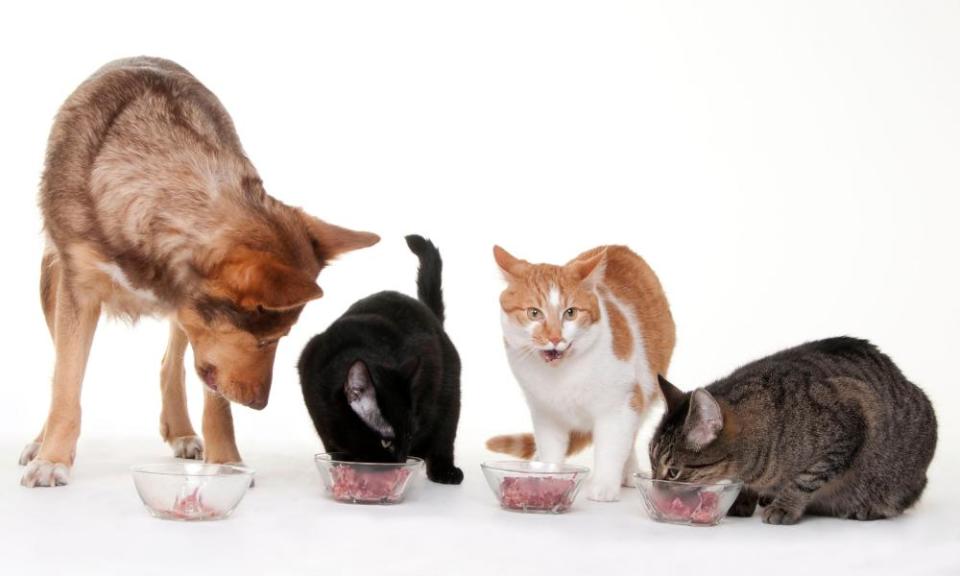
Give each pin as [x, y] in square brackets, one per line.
[773, 514]
[446, 475]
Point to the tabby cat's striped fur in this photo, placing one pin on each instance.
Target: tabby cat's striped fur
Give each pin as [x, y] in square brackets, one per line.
[829, 428]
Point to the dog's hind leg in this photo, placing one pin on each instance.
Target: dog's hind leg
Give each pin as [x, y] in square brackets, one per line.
[175, 426]
[75, 322]
[221, 446]
[49, 282]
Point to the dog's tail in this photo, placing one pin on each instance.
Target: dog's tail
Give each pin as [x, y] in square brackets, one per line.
[524, 446]
[429, 290]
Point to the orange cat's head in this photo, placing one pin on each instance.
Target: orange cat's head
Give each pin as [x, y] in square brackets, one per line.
[549, 310]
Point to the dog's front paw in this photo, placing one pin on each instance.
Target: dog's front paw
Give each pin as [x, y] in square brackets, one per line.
[445, 474]
[189, 447]
[29, 452]
[774, 514]
[45, 473]
[603, 491]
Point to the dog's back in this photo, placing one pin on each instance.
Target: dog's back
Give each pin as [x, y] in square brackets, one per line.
[145, 176]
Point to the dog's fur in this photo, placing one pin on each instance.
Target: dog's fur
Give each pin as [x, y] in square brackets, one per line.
[151, 207]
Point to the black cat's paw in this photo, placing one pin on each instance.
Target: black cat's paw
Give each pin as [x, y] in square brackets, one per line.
[445, 474]
[743, 508]
[773, 514]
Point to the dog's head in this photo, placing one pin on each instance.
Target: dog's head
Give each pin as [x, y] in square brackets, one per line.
[251, 298]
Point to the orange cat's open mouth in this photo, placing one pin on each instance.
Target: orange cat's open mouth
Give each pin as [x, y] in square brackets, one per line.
[551, 355]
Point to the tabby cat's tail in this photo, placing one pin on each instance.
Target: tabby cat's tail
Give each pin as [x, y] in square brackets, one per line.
[428, 278]
[524, 446]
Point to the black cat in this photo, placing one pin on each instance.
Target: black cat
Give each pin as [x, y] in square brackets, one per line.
[383, 382]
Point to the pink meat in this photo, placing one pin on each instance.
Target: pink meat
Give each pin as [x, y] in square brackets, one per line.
[356, 485]
[522, 493]
[696, 507]
[191, 507]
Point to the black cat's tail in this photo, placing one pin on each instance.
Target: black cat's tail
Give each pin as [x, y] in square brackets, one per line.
[428, 278]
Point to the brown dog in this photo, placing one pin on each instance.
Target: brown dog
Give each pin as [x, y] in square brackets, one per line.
[151, 207]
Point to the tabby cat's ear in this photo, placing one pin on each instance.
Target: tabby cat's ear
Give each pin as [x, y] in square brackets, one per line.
[704, 420]
[511, 266]
[671, 394]
[363, 399]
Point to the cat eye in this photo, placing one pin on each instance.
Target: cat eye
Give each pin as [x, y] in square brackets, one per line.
[673, 473]
[386, 444]
[570, 313]
[534, 313]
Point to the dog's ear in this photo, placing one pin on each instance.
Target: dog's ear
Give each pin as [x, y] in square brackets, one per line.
[332, 241]
[252, 279]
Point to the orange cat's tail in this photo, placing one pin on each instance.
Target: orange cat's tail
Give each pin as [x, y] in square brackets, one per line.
[524, 446]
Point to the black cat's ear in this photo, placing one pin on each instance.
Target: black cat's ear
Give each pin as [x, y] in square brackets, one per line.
[363, 399]
[671, 394]
[704, 420]
[410, 367]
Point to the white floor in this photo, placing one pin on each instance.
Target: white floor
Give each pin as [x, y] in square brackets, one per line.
[286, 526]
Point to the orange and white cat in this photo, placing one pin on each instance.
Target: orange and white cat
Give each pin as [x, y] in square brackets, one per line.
[585, 341]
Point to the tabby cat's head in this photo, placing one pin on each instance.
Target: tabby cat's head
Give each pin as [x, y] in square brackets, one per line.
[695, 441]
[547, 310]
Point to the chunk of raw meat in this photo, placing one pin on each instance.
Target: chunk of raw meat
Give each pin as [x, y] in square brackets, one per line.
[355, 485]
[534, 493]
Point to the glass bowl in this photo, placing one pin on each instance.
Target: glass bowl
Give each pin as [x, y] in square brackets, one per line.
[687, 503]
[534, 486]
[367, 482]
[191, 490]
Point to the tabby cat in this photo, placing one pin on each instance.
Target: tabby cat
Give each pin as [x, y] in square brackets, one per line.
[383, 381]
[585, 341]
[827, 428]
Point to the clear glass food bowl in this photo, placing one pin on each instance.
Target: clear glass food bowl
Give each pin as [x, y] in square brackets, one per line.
[367, 482]
[191, 490]
[534, 486]
[687, 503]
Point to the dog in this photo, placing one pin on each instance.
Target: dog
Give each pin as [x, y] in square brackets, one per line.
[151, 207]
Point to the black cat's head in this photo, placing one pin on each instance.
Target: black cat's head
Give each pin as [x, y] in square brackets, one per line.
[696, 440]
[380, 404]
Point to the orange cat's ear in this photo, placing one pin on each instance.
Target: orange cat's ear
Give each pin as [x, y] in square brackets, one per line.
[590, 269]
[511, 266]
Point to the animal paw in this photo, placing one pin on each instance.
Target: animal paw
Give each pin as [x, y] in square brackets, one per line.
[774, 514]
[603, 491]
[445, 475]
[189, 447]
[743, 508]
[43, 473]
[29, 452]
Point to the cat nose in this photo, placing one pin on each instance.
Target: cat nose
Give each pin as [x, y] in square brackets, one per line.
[555, 340]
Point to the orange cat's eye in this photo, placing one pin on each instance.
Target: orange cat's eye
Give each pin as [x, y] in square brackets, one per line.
[570, 314]
[534, 313]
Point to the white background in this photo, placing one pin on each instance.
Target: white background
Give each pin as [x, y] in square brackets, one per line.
[789, 169]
